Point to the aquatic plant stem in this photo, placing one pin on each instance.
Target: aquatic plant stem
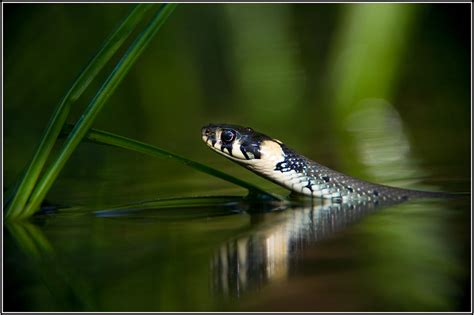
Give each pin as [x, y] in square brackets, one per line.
[86, 120]
[28, 179]
[107, 138]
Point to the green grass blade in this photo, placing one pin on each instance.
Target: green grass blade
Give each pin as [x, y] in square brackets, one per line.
[86, 120]
[104, 137]
[28, 180]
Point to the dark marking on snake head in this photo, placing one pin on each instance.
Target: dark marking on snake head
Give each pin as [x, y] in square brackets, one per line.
[214, 141]
[244, 152]
[376, 193]
[308, 185]
[257, 154]
[248, 147]
[326, 178]
[350, 189]
[227, 146]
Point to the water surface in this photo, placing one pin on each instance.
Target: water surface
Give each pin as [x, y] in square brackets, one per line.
[410, 256]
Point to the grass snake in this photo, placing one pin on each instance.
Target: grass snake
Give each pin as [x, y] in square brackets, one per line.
[273, 160]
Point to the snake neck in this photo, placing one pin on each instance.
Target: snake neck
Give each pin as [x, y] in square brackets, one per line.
[301, 175]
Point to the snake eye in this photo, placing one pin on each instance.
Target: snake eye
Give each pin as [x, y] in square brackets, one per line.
[227, 135]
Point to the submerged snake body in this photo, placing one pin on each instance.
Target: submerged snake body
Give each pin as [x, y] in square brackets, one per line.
[273, 160]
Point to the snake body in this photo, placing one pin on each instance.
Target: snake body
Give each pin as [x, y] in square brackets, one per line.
[273, 160]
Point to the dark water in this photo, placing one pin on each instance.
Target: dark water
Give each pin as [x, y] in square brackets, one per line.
[212, 256]
[375, 91]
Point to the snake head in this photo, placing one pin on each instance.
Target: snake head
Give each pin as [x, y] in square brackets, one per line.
[241, 144]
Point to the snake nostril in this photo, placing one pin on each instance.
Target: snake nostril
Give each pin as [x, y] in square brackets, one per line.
[205, 131]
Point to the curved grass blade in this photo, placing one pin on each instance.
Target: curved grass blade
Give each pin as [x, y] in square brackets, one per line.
[107, 138]
[28, 180]
[86, 120]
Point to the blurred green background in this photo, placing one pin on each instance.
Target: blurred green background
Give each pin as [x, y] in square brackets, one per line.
[379, 91]
[299, 73]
